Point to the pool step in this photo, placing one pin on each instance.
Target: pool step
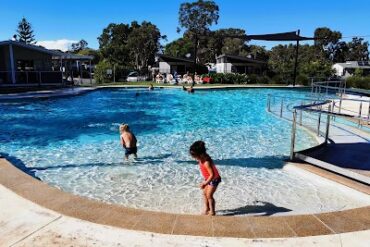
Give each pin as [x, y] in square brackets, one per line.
[336, 169]
[334, 177]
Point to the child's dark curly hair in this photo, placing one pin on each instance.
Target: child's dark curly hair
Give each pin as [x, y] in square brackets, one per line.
[198, 149]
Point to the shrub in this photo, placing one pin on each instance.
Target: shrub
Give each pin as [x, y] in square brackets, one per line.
[359, 82]
[302, 79]
[229, 78]
[263, 79]
[217, 78]
[100, 74]
[241, 78]
[277, 79]
[252, 79]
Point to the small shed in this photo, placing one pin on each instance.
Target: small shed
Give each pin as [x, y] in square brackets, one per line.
[169, 64]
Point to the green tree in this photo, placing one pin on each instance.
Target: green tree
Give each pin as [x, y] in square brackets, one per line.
[79, 46]
[196, 18]
[180, 47]
[113, 43]
[281, 61]
[357, 50]
[130, 45]
[258, 52]
[210, 46]
[329, 45]
[91, 52]
[25, 32]
[143, 43]
[221, 41]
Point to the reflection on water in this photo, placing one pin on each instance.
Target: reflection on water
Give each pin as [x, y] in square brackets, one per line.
[73, 144]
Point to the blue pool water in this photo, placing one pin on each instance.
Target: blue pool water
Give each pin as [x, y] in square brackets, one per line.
[73, 143]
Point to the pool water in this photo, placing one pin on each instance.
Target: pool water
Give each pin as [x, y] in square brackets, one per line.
[73, 143]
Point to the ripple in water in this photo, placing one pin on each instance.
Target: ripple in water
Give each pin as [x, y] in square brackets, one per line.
[73, 144]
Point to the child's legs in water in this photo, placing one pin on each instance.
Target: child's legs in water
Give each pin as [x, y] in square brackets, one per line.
[210, 190]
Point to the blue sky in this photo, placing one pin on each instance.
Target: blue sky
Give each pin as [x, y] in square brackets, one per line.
[74, 20]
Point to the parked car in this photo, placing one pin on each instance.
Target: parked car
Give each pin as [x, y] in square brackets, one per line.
[134, 77]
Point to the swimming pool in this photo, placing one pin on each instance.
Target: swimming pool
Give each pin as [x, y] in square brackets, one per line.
[73, 143]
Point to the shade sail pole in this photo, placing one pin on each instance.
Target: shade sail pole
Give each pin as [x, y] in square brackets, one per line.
[195, 58]
[296, 60]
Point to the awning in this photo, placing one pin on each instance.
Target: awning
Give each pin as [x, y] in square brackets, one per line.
[288, 36]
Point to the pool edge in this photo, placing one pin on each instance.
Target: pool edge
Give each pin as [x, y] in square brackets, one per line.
[82, 208]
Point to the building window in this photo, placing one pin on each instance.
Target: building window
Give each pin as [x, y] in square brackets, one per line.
[25, 65]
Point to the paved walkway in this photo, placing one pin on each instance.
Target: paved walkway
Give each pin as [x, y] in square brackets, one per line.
[23, 223]
[81, 90]
[46, 93]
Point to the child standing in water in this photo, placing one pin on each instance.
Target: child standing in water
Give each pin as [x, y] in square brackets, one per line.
[128, 140]
[210, 173]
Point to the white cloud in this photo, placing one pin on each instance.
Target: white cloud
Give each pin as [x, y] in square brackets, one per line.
[60, 44]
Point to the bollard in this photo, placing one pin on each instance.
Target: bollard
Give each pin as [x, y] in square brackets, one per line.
[292, 141]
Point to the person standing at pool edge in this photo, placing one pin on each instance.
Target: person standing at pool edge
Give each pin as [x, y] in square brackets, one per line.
[128, 141]
[210, 173]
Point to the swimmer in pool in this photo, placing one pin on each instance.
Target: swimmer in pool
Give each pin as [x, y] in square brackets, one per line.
[128, 141]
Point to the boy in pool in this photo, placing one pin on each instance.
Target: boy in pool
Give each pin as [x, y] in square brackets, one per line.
[210, 173]
[128, 140]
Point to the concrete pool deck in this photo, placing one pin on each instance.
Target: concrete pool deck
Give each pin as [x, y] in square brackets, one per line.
[35, 211]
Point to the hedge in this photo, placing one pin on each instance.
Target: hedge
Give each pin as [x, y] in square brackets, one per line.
[359, 82]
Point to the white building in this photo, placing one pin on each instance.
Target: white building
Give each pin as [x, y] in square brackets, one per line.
[348, 68]
[239, 64]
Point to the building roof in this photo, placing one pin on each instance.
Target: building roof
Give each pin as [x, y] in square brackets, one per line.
[355, 64]
[167, 58]
[55, 53]
[241, 59]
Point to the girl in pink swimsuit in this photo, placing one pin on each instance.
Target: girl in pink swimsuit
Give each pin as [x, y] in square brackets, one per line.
[210, 173]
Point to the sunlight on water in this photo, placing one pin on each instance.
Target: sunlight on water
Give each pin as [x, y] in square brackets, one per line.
[73, 143]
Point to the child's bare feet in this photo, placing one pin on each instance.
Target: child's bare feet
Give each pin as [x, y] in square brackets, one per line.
[205, 212]
[211, 213]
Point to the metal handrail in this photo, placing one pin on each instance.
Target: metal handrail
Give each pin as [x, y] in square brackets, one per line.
[315, 107]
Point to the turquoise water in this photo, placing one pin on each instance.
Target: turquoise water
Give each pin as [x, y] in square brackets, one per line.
[73, 143]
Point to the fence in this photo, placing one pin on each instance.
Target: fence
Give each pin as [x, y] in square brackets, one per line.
[31, 77]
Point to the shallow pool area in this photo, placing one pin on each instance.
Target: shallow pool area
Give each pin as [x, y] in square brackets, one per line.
[73, 143]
